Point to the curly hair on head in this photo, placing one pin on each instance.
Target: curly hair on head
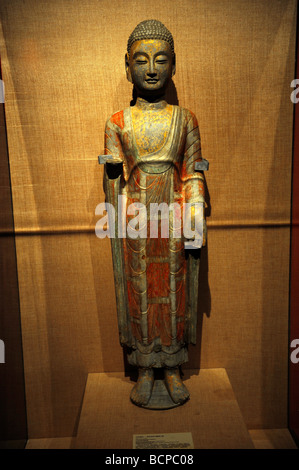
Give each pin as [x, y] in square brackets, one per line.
[150, 29]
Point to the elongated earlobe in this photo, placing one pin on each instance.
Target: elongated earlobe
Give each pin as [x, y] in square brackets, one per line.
[173, 65]
[127, 65]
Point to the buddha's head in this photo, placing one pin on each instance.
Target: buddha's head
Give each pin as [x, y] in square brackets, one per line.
[150, 58]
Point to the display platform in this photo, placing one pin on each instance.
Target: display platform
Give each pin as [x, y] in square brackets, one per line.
[109, 420]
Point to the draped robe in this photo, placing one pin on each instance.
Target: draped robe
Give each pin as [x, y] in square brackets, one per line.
[156, 285]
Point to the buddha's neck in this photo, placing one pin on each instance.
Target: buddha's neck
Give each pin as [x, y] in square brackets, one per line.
[151, 105]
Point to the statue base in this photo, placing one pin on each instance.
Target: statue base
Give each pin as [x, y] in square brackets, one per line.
[160, 399]
[212, 415]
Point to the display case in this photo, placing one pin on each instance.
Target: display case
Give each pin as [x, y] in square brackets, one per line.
[64, 74]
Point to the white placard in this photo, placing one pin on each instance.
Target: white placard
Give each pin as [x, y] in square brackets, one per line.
[180, 440]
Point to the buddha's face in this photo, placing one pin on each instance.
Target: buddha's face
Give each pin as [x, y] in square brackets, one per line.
[150, 66]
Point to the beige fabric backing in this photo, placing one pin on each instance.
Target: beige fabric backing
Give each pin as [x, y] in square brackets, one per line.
[63, 68]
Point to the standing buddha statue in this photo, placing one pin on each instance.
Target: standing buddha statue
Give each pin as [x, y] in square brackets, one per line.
[153, 156]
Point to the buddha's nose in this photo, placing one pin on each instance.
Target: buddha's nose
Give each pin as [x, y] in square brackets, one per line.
[151, 72]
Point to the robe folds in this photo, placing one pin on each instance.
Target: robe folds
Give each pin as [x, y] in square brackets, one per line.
[156, 284]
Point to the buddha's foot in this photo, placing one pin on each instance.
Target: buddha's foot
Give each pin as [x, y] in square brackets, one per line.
[176, 389]
[142, 390]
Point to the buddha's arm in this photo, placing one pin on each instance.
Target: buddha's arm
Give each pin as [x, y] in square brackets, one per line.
[194, 180]
[113, 149]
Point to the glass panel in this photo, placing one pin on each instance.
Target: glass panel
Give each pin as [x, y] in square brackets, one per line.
[13, 426]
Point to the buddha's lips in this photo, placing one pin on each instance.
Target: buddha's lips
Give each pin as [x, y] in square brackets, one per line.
[152, 80]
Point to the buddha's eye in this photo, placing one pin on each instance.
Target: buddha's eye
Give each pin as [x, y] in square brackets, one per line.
[140, 62]
[161, 61]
